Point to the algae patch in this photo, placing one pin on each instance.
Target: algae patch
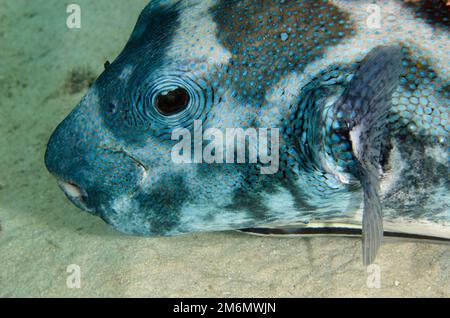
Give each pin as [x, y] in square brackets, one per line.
[78, 80]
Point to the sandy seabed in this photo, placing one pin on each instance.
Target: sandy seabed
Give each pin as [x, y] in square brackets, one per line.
[44, 70]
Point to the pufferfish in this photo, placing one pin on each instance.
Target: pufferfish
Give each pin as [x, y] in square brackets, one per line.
[356, 92]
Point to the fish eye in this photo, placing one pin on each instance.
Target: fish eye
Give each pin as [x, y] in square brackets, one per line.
[168, 101]
[172, 102]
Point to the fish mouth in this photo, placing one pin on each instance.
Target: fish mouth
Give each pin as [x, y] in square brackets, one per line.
[77, 195]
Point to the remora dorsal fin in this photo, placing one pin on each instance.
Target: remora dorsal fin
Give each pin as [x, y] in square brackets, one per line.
[363, 108]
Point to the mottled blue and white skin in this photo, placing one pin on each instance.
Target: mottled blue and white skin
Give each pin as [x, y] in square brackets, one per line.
[362, 112]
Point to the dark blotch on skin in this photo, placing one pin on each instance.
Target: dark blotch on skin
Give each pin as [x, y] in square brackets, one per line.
[146, 48]
[301, 201]
[248, 197]
[78, 80]
[269, 39]
[248, 201]
[434, 12]
[418, 179]
[165, 202]
[386, 148]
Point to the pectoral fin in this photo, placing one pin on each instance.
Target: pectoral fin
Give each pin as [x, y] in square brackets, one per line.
[363, 110]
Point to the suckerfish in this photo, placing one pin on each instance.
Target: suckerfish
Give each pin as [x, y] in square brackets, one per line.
[271, 116]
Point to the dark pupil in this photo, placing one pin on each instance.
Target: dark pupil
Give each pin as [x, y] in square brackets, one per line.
[172, 102]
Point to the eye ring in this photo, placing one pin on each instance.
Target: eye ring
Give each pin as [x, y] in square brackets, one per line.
[172, 102]
[146, 108]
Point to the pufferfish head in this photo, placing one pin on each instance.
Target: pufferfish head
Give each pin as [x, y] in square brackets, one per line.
[113, 155]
